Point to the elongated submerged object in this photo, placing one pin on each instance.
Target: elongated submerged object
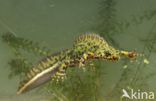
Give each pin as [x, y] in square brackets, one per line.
[43, 71]
[87, 47]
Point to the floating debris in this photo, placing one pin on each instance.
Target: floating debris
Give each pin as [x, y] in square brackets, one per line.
[125, 66]
[146, 61]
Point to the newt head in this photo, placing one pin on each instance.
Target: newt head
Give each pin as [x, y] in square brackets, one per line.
[107, 53]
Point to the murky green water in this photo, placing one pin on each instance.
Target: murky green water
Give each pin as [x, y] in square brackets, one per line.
[55, 23]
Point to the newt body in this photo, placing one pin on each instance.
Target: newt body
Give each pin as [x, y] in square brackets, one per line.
[87, 47]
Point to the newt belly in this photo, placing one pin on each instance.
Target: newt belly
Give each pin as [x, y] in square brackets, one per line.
[87, 47]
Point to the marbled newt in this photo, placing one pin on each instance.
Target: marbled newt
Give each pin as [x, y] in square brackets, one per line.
[87, 47]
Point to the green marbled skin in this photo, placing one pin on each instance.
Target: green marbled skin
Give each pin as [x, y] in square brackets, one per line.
[86, 48]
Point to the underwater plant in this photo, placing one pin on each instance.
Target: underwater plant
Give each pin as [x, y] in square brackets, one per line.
[25, 44]
[19, 65]
[82, 86]
[137, 76]
[132, 75]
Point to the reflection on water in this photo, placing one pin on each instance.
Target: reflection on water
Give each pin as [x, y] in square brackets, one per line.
[124, 24]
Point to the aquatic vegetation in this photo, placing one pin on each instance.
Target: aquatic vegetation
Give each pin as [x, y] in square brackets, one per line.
[87, 47]
[132, 75]
[25, 44]
[20, 64]
[86, 86]
[107, 23]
